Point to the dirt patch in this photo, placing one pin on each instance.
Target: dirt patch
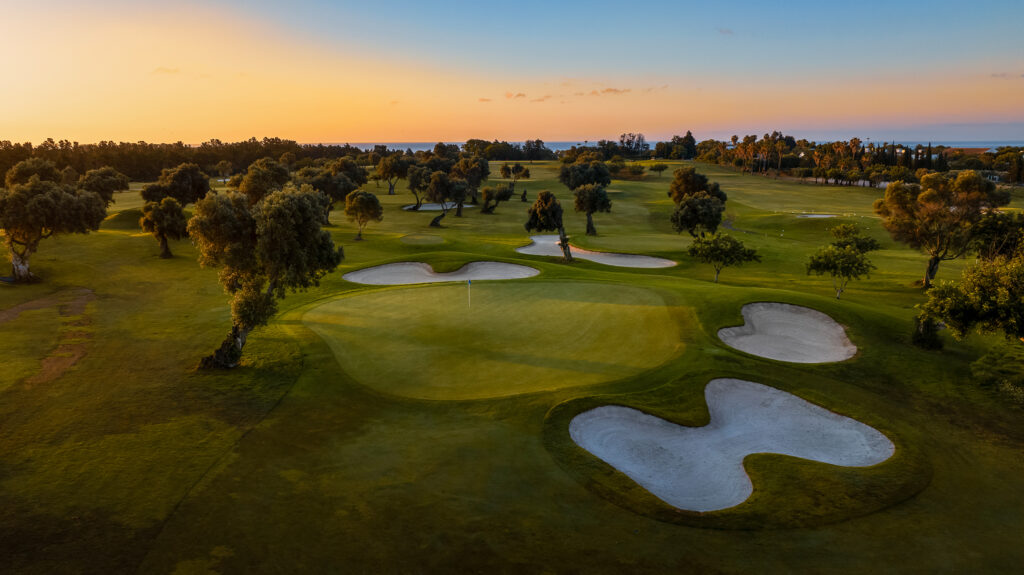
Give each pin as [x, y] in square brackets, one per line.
[73, 344]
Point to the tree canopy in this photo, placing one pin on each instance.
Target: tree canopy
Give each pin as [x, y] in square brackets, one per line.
[938, 216]
[591, 198]
[842, 263]
[492, 196]
[21, 172]
[393, 168]
[586, 170]
[38, 208]
[165, 220]
[699, 203]
[721, 251]
[185, 183]
[362, 208]
[104, 182]
[263, 250]
[989, 297]
[545, 215]
[263, 177]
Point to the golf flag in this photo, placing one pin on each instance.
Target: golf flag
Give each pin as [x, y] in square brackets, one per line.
[469, 292]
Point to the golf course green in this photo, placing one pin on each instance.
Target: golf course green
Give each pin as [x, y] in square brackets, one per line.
[408, 429]
[486, 344]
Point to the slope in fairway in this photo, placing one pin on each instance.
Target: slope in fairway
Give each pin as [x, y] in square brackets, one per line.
[430, 343]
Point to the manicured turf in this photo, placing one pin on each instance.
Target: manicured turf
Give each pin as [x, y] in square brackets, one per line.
[501, 339]
[132, 461]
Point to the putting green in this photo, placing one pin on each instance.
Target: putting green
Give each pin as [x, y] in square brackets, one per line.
[430, 343]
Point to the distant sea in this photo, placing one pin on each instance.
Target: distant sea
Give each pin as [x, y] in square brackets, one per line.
[565, 145]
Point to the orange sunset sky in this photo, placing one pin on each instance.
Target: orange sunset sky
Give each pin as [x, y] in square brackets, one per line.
[337, 72]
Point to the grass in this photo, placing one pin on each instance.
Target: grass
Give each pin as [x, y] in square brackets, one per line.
[335, 449]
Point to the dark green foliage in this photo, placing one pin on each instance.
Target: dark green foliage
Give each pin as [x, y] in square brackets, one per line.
[1002, 369]
[545, 215]
[939, 215]
[185, 183]
[494, 196]
[165, 220]
[419, 178]
[473, 171]
[688, 182]
[842, 263]
[336, 180]
[698, 214]
[263, 177]
[591, 198]
[393, 168]
[69, 176]
[104, 182]
[361, 208]
[989, 298]
[446, 191]
[998, 234]
[658, 168]
[21, 172]
[263, 251]
[721, 251]
[849, 235]
[39, 208]
[584, 171]
[926, 333]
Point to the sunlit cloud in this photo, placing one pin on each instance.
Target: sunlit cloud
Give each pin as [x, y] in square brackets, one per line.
[513, 96]
[615, 91]
[484, 100]
[166, 70]
[544, 98]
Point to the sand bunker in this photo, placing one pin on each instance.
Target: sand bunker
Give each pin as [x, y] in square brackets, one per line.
[548, 246]
[701, 468]
[789, 333]
[404, 273]
[816, 216]
[434, 207]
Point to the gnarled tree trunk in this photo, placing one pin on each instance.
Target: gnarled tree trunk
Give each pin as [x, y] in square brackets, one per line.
[933, 268]
[20, 268]
[563, 242]
[458, 210]
[436, 222]
[591, 230]
[165, 248]
[229, 353]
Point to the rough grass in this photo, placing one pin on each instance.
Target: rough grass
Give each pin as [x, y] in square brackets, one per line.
[133, 461]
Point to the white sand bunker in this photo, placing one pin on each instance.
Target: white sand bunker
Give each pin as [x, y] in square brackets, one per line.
[433, 207]
[548, 246]
[404, 273]
[816, 216]
[789, 333]
[701, 468]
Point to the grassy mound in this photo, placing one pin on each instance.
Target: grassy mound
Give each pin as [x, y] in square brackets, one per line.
[430, 343]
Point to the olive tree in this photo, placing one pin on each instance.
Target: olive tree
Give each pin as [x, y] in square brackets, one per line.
[473, 171]
[185, 183]
[392, 168]
[104, 182]
[514, 172]
[545, 215]
[842, 263]
[361, 208]
[418, 178]
[939, 215]
[721, 251]
[590, 198]
[494, 196]
[989, 298]
[263, 177]
[38, 208]
[699, 203]
[165, 220]
[263, 250]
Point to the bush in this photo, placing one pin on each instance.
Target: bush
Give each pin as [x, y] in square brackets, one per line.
[1002, 369]
[926, 334]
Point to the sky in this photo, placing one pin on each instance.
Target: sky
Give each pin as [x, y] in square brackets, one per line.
[407, 71]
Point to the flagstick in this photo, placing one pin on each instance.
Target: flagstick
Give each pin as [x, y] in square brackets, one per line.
[469, 292]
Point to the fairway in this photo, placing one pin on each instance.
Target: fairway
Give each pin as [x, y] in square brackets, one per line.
[431, 343]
